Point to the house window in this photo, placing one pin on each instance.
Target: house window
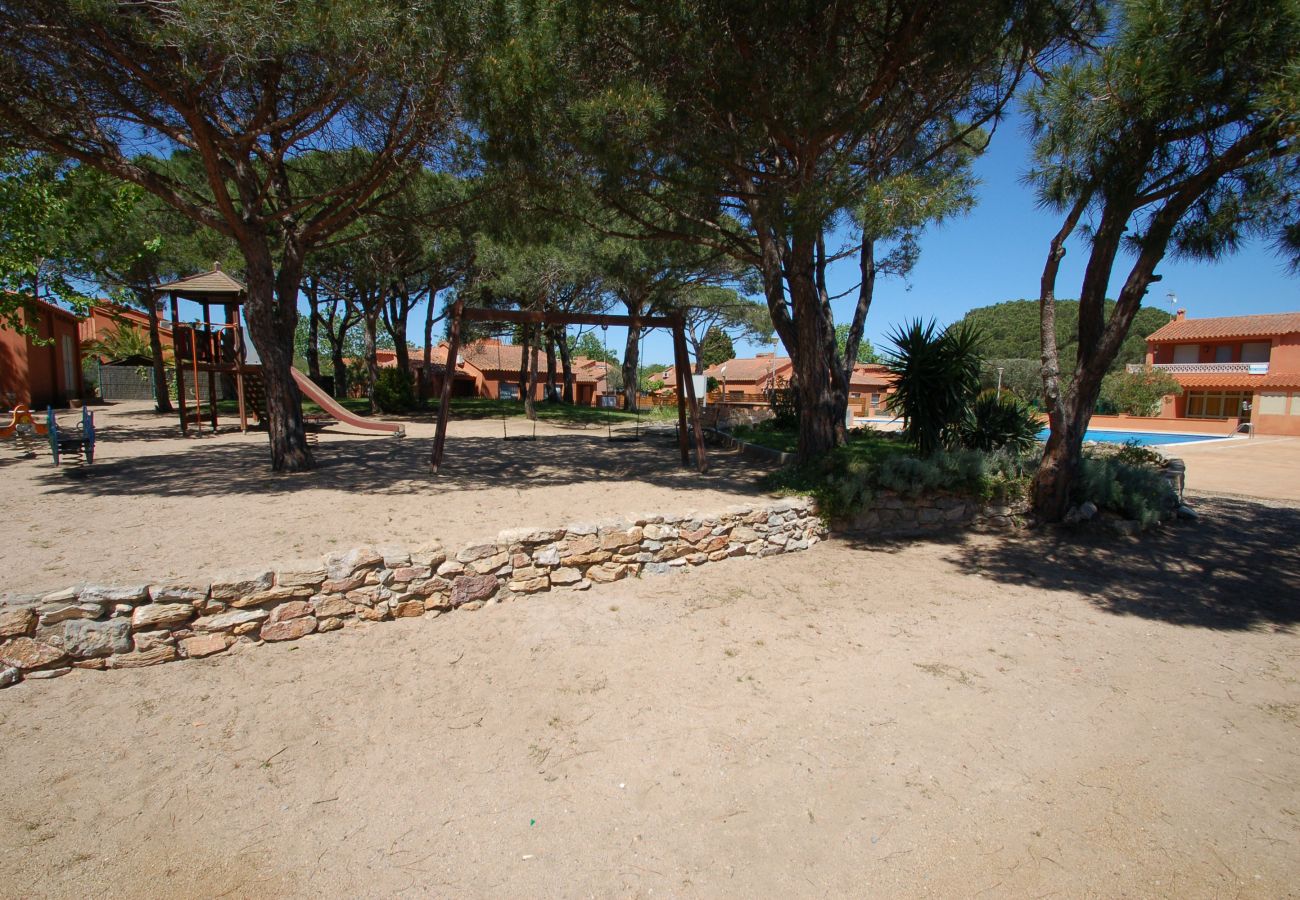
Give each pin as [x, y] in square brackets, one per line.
[1215, 404]
[1295, 404]
[855, 396]
[875, 399]
[1255, 351]
[1187, 353]
[1272, 404]
[1223, 353]
[508, 392]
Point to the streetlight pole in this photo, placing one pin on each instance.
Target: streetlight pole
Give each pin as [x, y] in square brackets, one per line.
[999, 382]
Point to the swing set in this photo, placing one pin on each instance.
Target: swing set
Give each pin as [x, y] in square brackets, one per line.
[686, 400]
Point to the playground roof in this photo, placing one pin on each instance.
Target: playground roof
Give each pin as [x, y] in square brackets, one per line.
[206, 287]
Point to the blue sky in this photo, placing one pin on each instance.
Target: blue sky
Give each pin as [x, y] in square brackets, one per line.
[997, 252]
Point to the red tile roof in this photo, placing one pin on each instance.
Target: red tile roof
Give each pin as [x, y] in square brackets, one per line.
[496, 360]
[1264, 325]
[1237, 382]
[754, 369]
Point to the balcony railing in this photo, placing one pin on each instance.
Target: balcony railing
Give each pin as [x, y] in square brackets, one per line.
[1216, 368]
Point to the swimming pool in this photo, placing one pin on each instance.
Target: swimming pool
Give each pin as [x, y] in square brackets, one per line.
[1143, 438]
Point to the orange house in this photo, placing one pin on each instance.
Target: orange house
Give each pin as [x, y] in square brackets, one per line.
[45, 372]
[1233, 370]
[490, 368]
[105, 318]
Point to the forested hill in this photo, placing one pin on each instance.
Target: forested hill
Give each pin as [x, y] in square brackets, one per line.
[1010, 330]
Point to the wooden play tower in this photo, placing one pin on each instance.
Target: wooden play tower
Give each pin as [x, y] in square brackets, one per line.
[215, 348]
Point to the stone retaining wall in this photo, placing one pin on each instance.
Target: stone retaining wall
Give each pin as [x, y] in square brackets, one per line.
[119, 627]
[892, 514]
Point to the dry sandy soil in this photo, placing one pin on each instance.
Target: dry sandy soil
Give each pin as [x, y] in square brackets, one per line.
[971, 717]
[155, 505]
[1032, 715]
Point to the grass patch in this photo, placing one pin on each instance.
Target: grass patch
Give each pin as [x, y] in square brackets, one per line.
[487, 408]
[357, 405]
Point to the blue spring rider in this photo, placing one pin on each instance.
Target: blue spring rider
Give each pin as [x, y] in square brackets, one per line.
[78, 443]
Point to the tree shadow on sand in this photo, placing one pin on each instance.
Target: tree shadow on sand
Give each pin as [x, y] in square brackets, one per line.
[1238, 567]
[401, 467]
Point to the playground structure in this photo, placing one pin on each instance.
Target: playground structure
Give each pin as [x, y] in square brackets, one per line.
[79, 443]
[218, 349]
[687, 404]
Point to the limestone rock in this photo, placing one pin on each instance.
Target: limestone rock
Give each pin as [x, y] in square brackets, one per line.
[408, 609]
[50, 673]
[65, 595]
[530, 585]
[149, 640]
[330, 606]
[294, 609]
[582, 585]
[656, 568]
[343, 585]
[615, 540]
[272, 595]
[548, 557]
[107, 596]
[330, 624]
[160, 654]
[9, 675]
[589, 559]
[228, 620]
[470, 588]
[235, 586]
[450, 567]
[245, 628]
[341, 565]
[62, 612]
[565, 576]
[607, 573]
[659, 532]
[204, 645]
[16, 622]
[25, 653]
[431, 554]
[489, 563]
[394, 557]
[96, 664]
[476, 552]
[178, 592]
[303, 575]
[407, 574]
[581, 545]
[372, 614]
[289, 629]
[160, 615]
[429, 587]
[1087, 509]
[1186, 512]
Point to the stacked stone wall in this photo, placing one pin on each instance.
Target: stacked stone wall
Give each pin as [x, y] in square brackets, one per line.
[127, 626]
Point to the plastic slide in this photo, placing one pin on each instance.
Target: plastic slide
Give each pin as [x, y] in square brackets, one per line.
[312, 392]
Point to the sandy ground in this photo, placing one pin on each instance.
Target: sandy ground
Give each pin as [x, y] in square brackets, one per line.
[195, 507]
[1263, 466]
[979, 716]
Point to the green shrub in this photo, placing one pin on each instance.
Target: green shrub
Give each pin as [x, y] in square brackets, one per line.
[936, 376]
[1133, 453]
[784, 401]
[1134, 491]
[1000, 421]
[1136, 393]
[394, 391]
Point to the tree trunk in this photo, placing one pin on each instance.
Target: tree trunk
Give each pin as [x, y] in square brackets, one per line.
[163, 400]
[426, 371]
[370, 317]
[551, 393]
[313, 331]
[340, 370]
[523, 363]
[631, 366]
[272, 315]
[530, 404]
[566, 366]
[820, 384]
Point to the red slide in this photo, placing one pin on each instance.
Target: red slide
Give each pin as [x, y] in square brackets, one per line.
[311, 391]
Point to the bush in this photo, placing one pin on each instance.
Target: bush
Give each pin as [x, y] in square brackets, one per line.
[1134, 491]
[1136, 393]
[937, 376]
[1000, 422]
[394, 391]
[784, 401]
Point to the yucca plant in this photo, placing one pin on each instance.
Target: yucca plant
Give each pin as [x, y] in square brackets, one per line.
[937, 377]
[1001, 422]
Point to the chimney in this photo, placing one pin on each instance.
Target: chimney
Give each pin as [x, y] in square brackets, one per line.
[1180, 315]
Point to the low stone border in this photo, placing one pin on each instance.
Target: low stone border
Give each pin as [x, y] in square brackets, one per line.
[121, 627]
[746, 448]
[895, 515]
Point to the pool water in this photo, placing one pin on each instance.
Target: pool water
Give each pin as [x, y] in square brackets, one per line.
[1142, 438]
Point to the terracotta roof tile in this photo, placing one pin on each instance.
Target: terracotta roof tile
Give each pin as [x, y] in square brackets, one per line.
[1264, 325]
[1237, 382]
[753, 369]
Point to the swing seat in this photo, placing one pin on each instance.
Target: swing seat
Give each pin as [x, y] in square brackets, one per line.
[519, 437]
[624, 438]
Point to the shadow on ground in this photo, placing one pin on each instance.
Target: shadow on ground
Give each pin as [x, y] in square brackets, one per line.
[401, 466]
[1237, 567]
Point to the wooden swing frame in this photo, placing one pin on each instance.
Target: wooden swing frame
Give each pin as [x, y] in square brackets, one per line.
[687, 404]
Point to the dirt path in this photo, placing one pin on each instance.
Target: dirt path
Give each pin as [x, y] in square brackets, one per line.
[984, 717]
[1265, 466]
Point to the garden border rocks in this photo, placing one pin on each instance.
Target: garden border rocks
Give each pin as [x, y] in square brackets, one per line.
[107, 627]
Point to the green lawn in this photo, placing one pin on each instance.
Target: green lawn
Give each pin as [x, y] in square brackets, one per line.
[864, 445]
[486, 408]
